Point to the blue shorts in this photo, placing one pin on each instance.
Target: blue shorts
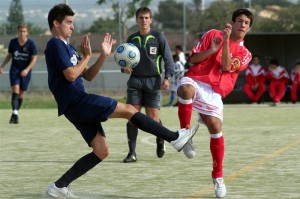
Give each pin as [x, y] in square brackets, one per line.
[88, 113]
[16, 79]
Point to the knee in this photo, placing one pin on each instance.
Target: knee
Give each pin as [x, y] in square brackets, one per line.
[214, 127]
[102, 153]
[186, 91]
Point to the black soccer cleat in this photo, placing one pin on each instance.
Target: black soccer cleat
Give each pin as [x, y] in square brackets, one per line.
[16, 119]
[12, 119]
[131, 157]
[160, 147]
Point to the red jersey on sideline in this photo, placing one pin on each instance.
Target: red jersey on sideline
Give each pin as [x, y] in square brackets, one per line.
[255, 74]
[210, 70]
[295, 76]
[278, 74]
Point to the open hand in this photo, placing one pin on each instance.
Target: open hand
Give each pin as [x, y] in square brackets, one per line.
[86, 46]
[106, 44]
[215, 44]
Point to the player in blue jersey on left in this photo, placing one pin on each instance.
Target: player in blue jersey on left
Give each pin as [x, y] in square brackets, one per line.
[66, 71]
[23, 52]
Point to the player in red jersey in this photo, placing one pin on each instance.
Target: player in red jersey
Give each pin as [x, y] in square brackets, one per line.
[278, 77]
[255, 80]
[295, 77]
[217, 59]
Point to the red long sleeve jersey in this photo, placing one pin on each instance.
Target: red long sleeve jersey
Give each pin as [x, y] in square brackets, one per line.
[255, 74]
[278, 74]
[295, 76]
[210, 70]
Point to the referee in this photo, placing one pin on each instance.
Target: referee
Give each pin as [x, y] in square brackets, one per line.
[145, 84]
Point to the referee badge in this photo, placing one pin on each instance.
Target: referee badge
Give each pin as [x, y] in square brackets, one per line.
[153, 50]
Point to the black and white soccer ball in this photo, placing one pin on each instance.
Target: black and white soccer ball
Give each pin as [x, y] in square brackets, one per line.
[127, 55]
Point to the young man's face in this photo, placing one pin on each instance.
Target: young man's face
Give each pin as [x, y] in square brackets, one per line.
[23, 33]
[255, 60]
[66, 27]
[240, 27]
[273, 66]
[143, 21]
[297, 67]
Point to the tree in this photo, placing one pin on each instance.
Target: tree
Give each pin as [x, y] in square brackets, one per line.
[170, 15]
[15, 16]
[104, 25]
[124, 11]
[215, 16]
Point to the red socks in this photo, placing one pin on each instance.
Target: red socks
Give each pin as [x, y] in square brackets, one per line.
[217, 152]
[185, 108]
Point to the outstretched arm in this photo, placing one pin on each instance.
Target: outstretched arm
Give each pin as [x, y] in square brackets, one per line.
[91, 72]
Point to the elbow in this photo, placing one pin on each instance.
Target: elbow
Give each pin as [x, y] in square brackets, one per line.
[71, 78]
[88, 77]
[226, 68]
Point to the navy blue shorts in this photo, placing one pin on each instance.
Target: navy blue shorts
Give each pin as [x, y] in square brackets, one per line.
[16, 79]
[144, 91]
[88, 113]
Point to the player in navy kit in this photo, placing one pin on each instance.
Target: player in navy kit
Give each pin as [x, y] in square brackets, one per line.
[23, 53]
[66, 68]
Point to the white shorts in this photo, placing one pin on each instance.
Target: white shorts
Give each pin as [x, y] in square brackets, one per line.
[206, 101]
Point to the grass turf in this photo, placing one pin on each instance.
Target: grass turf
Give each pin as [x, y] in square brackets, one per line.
[261, 158]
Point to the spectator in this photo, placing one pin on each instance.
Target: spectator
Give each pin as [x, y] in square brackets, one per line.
[180, 54]
[255, 80]
[278, 78]
[295, 78]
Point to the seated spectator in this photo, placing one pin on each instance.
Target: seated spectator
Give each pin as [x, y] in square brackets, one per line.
[255, 80]
[278, 77]
[295, 77]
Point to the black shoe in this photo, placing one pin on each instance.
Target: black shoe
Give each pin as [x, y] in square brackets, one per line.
[12, 119]
[131, 157]
[16, 119]
[160, 147]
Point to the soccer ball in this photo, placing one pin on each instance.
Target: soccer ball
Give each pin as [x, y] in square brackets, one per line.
[127, 55]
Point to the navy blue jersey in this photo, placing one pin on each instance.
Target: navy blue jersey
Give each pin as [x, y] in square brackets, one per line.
[153, 48]
[59, 56]
[21, 55]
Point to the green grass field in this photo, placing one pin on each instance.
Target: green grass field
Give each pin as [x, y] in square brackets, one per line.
[262, 157]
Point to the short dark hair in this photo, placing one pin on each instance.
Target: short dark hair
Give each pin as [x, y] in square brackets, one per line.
[243, 11]
[59, 12]
[274, 62]
[23, 25]
[178, 47]
[143, 10]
